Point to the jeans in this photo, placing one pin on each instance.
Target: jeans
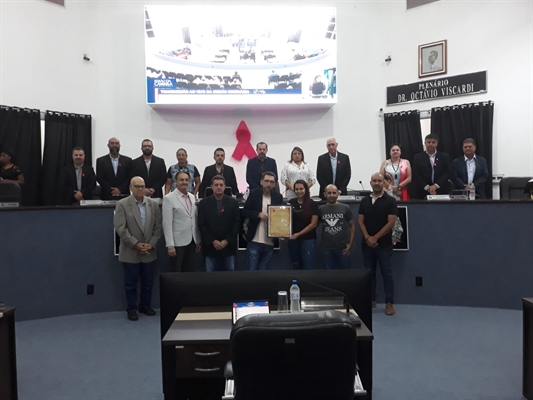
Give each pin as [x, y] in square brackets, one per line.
[334, 259]
[220, 263]
[258, 255]
[382, 255]
[132, 272]
[302, 253]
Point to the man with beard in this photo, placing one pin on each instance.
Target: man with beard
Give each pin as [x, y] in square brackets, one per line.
[258, 165]
[377, 215]
[260, 247]
[152, 169]
[78, 181]
[338, 230]
[113, 172]
[218, 169]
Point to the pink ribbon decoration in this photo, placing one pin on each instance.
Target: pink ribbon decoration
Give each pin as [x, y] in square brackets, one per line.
[244, 147]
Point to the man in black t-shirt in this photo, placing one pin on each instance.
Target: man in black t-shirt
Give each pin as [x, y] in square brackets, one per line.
[377, 215]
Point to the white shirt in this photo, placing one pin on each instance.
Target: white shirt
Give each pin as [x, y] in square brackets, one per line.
[293, 172]
[470, 168]
[261, 234]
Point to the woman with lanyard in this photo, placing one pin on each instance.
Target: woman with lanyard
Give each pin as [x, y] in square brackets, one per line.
[400, 170]
[183, 165]
[295, 169]
[304, 222]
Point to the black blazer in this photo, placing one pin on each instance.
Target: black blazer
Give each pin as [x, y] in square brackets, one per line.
[210, 172]
[69, 184]
[422, 174]
[324, 172]
[157, 177]
[460, 174]
[105, 175]
[219, 226]
[254, 205]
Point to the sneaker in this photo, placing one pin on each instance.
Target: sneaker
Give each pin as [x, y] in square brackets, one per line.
[374, 304]
[132, 316]
[147, 311]
[389, 309]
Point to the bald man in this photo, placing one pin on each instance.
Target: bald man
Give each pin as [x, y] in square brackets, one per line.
[113, 172]
[138, 224]
[377, 215]
[333, 168]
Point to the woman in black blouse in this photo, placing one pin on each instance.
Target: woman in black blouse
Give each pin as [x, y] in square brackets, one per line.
[304, 222]
[9, 172]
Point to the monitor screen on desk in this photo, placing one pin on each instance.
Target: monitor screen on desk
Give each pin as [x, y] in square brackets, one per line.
[240, 309]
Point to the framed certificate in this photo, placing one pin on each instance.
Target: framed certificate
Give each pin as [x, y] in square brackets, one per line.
[279, 221]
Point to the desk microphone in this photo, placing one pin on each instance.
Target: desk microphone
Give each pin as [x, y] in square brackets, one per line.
[361, 183]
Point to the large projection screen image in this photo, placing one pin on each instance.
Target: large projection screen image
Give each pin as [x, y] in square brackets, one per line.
[240, 55]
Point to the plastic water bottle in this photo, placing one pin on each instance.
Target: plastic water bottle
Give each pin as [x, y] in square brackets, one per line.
[472, 192]
[295, 296]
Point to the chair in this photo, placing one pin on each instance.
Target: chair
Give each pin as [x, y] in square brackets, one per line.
[308, 356]
[9, 192]
[512, 188]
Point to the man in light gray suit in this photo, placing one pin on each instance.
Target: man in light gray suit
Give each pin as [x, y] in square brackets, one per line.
[182, 236]
[138, 223]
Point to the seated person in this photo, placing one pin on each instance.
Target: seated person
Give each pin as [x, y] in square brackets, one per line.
[78, 181]
[9, 172]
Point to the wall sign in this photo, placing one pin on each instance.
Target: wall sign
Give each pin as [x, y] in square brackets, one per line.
[432, 89]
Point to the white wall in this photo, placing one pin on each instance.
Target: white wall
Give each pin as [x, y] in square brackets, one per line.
[42, 45]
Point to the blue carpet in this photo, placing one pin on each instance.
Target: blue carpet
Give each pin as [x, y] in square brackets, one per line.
[422, 352]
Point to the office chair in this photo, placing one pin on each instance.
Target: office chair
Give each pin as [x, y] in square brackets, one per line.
[512, 188]
[293, 356]
[9, 192]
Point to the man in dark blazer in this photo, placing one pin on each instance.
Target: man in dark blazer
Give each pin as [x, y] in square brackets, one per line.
[152, 169]
[218, 168]
[78, 181]
[218, 221]
[431, 170]
[257, 165]
[470, 169]
[333, 168]
[260, 247]
[113, 172]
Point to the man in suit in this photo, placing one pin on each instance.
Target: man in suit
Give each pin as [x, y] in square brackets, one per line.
[152, 169]
[258, 165]
[179, 225]
[218, 168]
[113, 172]
[218, 221]
[431, 170]
[78, 181]
[333, 168]
[138, 223]
[260, 246]
[470, 169]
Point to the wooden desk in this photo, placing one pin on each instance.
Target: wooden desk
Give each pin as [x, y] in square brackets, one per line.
[8, 356]
[201, 336]
[527, 382]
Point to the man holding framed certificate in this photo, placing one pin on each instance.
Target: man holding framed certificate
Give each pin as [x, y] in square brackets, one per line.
[260, 246]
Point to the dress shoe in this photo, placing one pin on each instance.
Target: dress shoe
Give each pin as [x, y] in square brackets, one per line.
[132, 316]
[389, 309]
[147, 311]
[374, 304]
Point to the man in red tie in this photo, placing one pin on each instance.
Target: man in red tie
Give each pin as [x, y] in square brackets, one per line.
[179, 226]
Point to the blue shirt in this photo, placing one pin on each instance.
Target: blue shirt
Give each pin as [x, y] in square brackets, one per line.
[333, 166]
[142, 210]
[114, 162]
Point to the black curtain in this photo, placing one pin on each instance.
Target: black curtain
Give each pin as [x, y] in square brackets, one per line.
[404, 129]
[456, 123]
[62, 132]
[20, 131]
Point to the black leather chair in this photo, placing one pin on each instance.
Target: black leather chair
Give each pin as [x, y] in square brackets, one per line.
[512, 188]
[9, 192]
[309, 355]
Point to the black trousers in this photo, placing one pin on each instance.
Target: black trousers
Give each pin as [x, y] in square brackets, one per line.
[184, 260]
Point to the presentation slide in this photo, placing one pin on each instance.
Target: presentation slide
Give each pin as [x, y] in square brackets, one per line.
[240, 55]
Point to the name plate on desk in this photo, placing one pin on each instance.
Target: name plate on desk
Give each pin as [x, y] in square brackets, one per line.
[90, 202]
[109, 202]
[459, 197]
[438, 197]
[345, 197]
[9, 204]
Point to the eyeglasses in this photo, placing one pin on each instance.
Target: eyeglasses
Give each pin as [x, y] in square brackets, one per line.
[138, 187]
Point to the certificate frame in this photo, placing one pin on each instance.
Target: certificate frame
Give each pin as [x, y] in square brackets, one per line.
[279, 221]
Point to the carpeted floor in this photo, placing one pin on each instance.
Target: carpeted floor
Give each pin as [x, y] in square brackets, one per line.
[422, 352]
